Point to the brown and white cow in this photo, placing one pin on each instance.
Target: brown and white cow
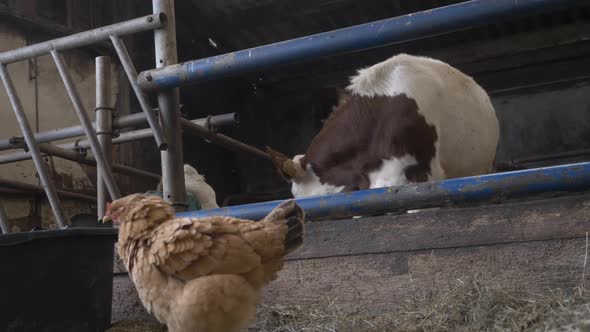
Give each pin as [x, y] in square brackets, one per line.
[407, 119]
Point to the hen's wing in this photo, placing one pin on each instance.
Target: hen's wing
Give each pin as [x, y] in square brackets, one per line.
[189, 248]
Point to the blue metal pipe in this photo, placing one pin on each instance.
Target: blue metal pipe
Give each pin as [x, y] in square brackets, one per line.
[389, 31]
[486, 188]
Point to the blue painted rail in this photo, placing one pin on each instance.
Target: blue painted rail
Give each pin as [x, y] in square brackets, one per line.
[485, 188]
[365, 36]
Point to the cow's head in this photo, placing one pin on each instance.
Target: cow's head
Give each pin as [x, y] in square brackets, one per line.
[303, 179]
[303, 171]
[289, 169]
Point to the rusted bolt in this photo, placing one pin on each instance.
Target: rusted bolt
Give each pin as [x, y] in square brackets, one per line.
[148, 77]
[150, 19]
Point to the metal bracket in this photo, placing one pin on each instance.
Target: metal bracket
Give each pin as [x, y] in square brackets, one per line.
[19, 142]
[112, 109]
[211, 127]
[81, 151]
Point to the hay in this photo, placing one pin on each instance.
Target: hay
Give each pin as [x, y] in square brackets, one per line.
[136, 326]
[468, 306]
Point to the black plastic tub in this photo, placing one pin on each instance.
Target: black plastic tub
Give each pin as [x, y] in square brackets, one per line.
[57, 280]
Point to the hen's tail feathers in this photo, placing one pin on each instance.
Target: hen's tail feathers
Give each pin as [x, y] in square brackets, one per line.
[295, 216]
[295, 222]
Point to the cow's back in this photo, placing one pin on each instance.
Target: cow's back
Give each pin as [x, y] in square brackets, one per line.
[466, 124]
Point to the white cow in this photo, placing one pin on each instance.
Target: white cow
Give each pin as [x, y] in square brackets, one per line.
[407, 119]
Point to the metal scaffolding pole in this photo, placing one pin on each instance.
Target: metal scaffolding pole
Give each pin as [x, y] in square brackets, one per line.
[52, 150]
[4, 226]
[146, 23]
[131, 73]
[125, 121]
[476, 189]
[101, 162]
[215, 121]
[73, 131]
[104, 126]
[168, 102]
[104, 121]
[46, 180]
[360, 37]
[49, 149]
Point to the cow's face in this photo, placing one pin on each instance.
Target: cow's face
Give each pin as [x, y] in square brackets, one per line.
[304, 181]
[308, 183]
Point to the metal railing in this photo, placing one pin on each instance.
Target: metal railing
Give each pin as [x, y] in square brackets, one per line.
[491, 188]
[71, 132]
[54, 47]
[356, 38]
[168, 76]
[100, 136]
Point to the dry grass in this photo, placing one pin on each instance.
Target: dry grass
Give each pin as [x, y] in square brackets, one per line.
[469, 306]
[136, 326]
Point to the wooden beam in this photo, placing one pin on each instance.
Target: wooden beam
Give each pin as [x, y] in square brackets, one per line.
[548, 219]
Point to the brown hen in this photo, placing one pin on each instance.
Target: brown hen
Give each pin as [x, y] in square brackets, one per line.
[202, 274]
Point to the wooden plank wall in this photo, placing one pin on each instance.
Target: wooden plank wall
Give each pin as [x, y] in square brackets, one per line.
[379, 263]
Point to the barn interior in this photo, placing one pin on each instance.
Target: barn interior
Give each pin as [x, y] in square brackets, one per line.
[534, 67]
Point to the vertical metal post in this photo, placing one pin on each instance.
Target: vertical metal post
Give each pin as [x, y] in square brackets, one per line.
[104, 126]
[131, 73]
[168, 102]
[101, 163]
[46, 182]
[4, 227]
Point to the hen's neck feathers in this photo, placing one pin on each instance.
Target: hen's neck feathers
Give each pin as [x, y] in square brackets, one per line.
[138, 222]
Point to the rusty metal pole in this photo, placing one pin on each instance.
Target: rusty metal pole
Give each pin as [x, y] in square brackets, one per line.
[104, 126]
[222, 140]
[169, 104]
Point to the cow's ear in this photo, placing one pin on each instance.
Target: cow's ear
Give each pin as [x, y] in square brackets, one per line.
[342, 98]
[278, 159]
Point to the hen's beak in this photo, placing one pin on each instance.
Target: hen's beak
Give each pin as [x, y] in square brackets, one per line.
[106, 219]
